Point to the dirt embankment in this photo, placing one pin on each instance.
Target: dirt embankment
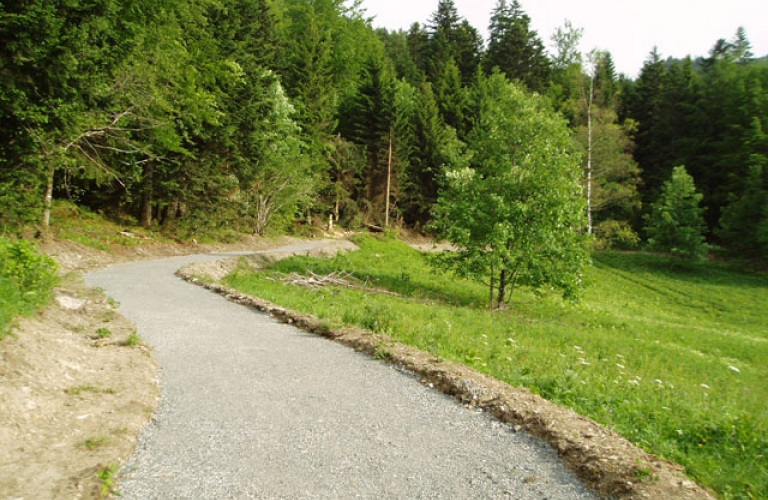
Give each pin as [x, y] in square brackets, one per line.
[75, 386]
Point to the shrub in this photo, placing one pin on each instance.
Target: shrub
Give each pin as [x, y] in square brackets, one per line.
[27, 278]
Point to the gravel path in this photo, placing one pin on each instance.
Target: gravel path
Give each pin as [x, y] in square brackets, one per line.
[252, 408]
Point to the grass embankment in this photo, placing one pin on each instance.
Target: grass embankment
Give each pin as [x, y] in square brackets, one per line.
[75, 223]
[672, 357]
[27, 279]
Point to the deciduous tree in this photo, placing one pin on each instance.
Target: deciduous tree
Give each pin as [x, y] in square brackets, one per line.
[516, 211]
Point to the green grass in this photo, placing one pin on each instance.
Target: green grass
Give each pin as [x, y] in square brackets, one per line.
[671, 356]
[76, 223]
[133, 340]
[107, 476]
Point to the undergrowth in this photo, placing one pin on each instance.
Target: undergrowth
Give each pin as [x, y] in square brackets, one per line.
[27, 279]
[670, 356]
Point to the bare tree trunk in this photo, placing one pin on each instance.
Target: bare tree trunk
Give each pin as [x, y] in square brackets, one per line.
[389, 181]
[48, 200]
[146, 199]
[590, 228]
[172, 211]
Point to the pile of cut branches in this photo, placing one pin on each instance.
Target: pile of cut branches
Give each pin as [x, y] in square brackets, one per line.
[313, 280]
[337, 279]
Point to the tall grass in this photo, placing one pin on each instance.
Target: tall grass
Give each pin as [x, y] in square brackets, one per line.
[672, 357]
[26, 280]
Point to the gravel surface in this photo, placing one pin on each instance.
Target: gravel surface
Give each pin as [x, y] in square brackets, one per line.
[252, 408]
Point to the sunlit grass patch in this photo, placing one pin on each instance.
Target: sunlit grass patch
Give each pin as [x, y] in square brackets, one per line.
[670, 356]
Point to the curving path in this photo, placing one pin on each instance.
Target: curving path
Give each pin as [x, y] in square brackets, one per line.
[252, 408]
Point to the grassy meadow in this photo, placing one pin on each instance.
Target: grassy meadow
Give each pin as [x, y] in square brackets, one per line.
[671, 356]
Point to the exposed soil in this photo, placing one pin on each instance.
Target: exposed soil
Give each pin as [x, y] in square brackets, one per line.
[74, 397]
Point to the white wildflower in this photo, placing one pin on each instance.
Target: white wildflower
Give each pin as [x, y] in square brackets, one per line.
[620, 365]
[705, 386]
[734, 368]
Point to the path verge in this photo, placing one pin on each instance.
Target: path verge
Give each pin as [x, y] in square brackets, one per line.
[609, 464]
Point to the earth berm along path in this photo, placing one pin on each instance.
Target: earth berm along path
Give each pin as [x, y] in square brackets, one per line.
[254, 408]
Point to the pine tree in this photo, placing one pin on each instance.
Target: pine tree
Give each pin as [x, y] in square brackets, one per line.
[515, 49]
[675, 223]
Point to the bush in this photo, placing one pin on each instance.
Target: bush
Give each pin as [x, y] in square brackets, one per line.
[27, 278]
[614, 234]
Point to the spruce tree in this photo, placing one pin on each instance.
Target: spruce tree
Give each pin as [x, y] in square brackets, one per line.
[675, 223]
[515, 49]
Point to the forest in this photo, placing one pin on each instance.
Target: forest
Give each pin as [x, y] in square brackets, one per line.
[262, 116]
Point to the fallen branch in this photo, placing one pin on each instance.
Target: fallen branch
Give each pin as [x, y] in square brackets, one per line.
[338, 279]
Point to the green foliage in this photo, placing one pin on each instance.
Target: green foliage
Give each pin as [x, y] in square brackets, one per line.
[27, 279]
[103, 333]
[107, 476]
[515, 49]
[133, 340]
[744, 223]
[515, 213]
[670, 357]
[675, 223]
[613, 234]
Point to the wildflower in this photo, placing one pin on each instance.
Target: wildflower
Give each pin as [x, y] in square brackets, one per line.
[705, 386]
[620, 356]
[734, 368]
[634, 382]
[584, 361]
[620, 365]
[578, 348]
[658, 381]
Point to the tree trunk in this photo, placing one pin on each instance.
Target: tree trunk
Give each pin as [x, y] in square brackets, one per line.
[389, 182]
[48, 200]
[590, 228]
[501, 299]
[146, 198]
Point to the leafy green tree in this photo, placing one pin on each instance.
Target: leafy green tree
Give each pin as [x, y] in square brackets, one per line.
[59, 60]
[675, 223]
[611, 176]
[515, 212]
[282, 183]
[516, 49]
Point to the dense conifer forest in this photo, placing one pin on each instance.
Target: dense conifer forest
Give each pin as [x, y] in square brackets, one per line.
[264, 115]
